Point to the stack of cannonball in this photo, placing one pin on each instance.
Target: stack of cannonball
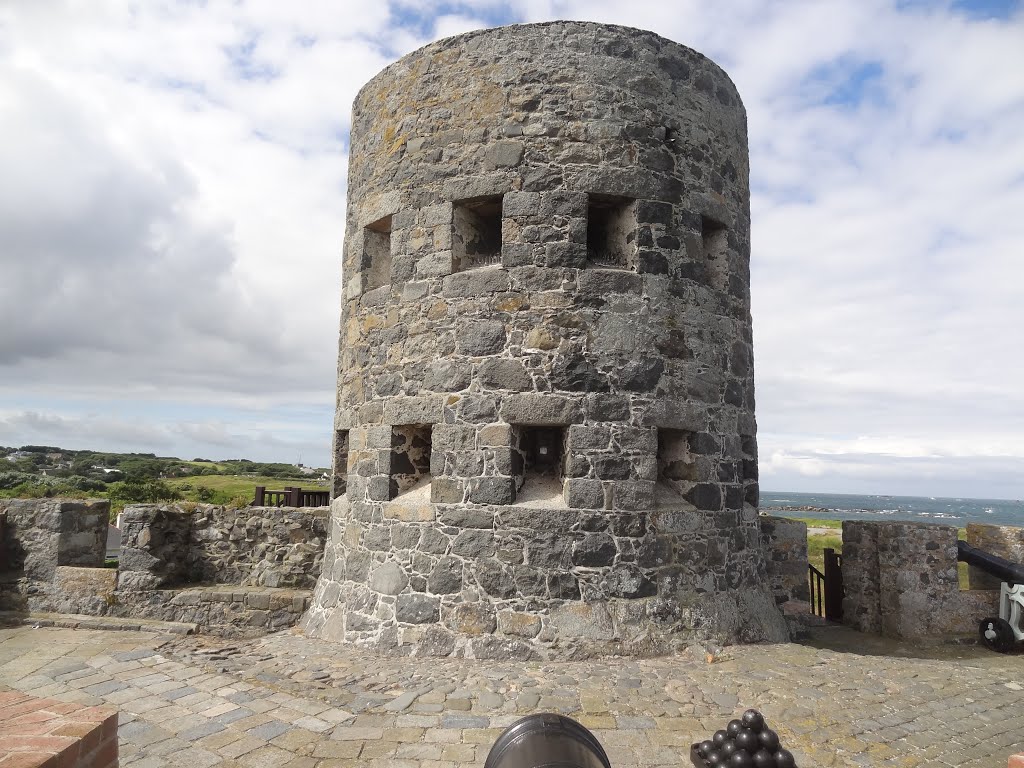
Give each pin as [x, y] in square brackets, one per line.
[745, 743]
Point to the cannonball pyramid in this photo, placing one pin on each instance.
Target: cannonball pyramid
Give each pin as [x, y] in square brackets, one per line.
[744, 743]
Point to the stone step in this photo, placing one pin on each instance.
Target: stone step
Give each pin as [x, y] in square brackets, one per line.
[78, 621]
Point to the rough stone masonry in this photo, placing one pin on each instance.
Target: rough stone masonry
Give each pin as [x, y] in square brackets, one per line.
[545, 439]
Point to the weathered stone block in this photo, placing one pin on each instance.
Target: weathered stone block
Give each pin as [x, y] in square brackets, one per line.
[476, 282]
[453, 437]
[504, 374]
[505, 154]
[483, 337]
[446, 576]
[491, 490]
[596, 550]
[474, 544]
[461, 517]
[588, 437]
[581, 493]
[500, 649]
[525, 625]
[413, 410]
[447, 490]
[417, 609]
[705, 496]
[447, 376]
[388, 579]
[474, 619]
[541, 410]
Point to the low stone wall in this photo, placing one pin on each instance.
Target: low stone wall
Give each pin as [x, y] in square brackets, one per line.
[41, 534]
[236, 572]
[785, 545]
[49, 734]
[226, 610]
[901, 581]
[171, 545]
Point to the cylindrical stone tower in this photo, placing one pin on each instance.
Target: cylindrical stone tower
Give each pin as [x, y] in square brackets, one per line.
[545, 439]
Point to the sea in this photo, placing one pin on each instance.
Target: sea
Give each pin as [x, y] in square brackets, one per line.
[928, 509]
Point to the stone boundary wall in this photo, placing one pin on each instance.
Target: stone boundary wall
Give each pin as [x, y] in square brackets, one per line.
[41, 534]
[901, 581]
[43, 733]
[1001, 540]
[170, 545]
[238, 572]
[785, 544]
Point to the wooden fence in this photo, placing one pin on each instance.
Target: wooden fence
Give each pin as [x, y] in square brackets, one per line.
[291, 496]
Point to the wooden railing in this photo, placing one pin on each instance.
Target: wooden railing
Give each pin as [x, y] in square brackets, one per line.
[291, 496]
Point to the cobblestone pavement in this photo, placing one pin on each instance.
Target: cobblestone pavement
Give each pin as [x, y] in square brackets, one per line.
[839, 699]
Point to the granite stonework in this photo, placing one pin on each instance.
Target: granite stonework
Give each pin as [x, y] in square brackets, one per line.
[170, 545]
[239, 572]
[41, 534]
[901, 581]
[785, 544]
[545, 439]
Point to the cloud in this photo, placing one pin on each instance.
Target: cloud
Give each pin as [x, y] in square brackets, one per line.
[172, 215]
[291, 435]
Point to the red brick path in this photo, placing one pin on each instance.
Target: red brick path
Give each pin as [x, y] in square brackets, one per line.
[43, 733]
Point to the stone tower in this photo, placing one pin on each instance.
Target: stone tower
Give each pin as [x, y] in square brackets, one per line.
[545, 440]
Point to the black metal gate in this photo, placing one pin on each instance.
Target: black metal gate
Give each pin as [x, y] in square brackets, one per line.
[827, 588]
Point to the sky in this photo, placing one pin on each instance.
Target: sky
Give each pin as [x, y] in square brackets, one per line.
[172, 198]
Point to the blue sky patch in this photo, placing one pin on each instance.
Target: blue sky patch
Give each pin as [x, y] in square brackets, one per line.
[246, 65]
[413, 17]
[846, 83]
[988, 9]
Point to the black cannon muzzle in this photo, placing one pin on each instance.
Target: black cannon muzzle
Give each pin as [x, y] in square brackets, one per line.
[1001, 568]
[546, 741]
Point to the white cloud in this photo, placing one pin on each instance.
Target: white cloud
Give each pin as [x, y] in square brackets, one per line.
[172, 215]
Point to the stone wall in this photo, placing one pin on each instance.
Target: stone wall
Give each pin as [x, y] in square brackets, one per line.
[901, 581]
[785, 544]
[41, 534]
[546, 389]
[172, 545]
[256, 565]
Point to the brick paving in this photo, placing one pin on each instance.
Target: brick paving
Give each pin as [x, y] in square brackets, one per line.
[837, 699]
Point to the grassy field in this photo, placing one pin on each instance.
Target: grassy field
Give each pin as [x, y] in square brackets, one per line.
[210, 464]
[237, 490]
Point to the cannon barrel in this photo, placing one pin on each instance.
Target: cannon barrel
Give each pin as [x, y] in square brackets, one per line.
[1001, 568]
[546, 741]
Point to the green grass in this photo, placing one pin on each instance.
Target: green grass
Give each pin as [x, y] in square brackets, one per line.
[234, 490]
[817, 543]
[817, 522]
[207, 464]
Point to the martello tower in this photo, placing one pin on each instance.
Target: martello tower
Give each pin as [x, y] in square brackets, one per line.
[545, 438]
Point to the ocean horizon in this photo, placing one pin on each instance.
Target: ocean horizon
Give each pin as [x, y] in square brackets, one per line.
[958, 511]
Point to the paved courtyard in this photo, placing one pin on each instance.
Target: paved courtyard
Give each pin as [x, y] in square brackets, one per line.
[838, 699]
